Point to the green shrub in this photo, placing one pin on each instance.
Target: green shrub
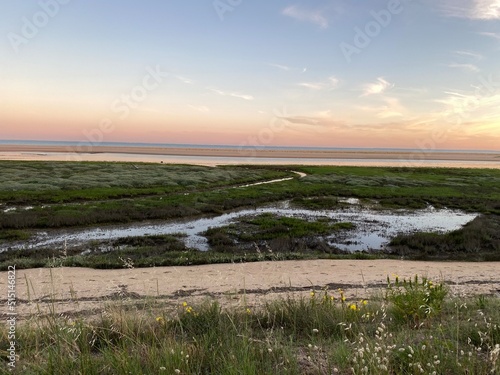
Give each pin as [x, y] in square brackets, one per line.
[415, 301]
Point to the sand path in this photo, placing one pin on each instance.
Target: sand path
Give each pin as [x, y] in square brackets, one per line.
[88, 291]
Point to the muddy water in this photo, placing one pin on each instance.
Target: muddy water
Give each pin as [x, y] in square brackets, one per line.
[373, 228]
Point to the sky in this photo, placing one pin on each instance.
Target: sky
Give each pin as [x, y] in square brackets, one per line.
[419, 74]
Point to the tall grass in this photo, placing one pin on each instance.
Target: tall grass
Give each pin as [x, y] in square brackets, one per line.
[321, 333]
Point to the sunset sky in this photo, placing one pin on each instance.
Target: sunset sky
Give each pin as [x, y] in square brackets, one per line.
[337, 73]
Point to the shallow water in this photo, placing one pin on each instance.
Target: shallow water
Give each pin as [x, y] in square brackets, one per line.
[373, 228]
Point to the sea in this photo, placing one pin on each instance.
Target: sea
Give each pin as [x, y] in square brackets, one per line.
[409, 161]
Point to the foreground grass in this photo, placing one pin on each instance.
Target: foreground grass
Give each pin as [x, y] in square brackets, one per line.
[320, 334]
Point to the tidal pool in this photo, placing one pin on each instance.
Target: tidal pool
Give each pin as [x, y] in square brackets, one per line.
[374, 228]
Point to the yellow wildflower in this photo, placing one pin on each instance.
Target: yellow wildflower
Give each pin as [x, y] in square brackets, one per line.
[184, 304]
[353, 307]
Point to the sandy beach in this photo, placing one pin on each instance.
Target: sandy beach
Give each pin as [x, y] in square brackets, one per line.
[254, 153]
[88, 291]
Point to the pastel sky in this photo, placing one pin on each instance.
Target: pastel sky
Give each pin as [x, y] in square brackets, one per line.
[329, 73]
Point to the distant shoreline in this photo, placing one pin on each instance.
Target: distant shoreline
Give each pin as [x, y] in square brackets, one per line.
[246, 153]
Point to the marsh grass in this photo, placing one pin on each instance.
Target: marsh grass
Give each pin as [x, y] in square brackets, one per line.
[155, 257]
[23, 182]
[117, 192]
[274, 233]
[321, 333]
[477, 240]
[70, 195]
[14, 235]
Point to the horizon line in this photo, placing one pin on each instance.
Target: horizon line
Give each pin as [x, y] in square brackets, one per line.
[205, 145]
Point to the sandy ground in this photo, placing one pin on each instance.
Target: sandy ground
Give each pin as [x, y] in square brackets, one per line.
[245, 153]
[80, 291]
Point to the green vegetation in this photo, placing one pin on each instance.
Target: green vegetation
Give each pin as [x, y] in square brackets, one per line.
[477, 240]
[269, 226]
[275, 234]
[415, 301]
[125, 194]
[47, 195]
[83, 194]
[320, 334]
[14, 235]
[187, 191]
[156, 251]
[59, 182]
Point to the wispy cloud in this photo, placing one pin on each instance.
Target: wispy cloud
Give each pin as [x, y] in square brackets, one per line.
[391, 108]
[306, 15]
[304, 120]
[378, 87]
[470, 105]
[473, 9]
[287, 68]
[473, 55]
[467, 67]
[319, 121]
[312, 85]
[188, 81]
[411, 127]
[490, 35]
[282, 67]
[233, 94]
[331, 83]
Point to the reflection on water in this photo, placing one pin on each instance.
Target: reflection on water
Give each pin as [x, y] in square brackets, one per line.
[373, 228]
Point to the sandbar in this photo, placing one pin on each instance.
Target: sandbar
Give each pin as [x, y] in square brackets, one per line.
[246, 153]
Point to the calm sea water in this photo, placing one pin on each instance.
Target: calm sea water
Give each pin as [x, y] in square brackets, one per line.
[214, 160]
[175, 145]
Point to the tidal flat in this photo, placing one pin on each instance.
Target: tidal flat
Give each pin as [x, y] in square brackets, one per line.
[113, 215]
